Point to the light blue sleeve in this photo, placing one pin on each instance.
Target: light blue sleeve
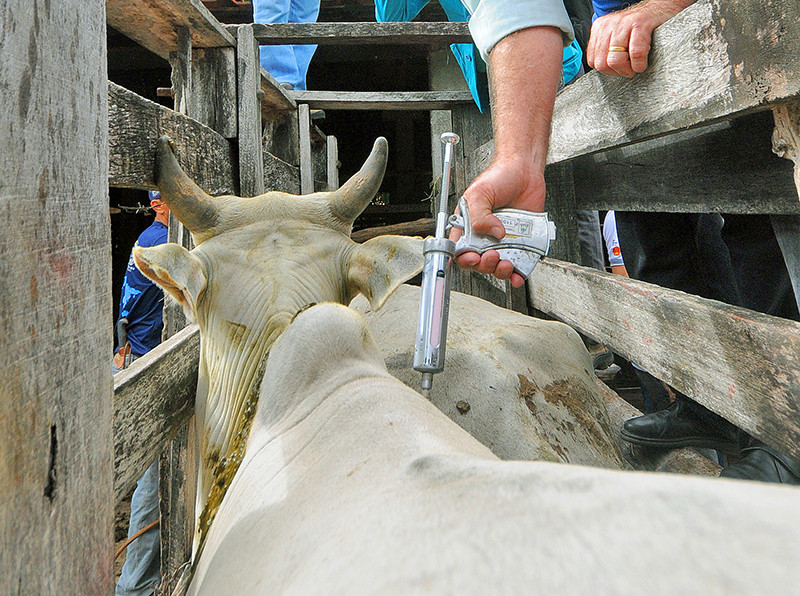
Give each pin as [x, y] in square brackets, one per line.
[492, 20]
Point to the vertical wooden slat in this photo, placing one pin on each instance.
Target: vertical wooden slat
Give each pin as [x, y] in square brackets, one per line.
[786, 137]
[560, 205]
[181, 62]
[248, 72]
[306, 161]
[333, 162]
[56, 450]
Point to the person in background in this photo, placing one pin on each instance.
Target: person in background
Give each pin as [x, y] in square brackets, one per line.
[472, 65]
[139, 328]
[288, 64]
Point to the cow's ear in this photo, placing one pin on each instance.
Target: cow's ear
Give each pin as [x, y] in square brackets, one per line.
[378, 266]
[176, 270]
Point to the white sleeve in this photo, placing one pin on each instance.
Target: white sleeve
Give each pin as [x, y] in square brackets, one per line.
[492, 20]
[612, 241]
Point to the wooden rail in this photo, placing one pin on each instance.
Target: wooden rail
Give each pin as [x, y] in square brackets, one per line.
[711, 62]
[362, 33]
[153, 398]
[739, 363]
[397, 100]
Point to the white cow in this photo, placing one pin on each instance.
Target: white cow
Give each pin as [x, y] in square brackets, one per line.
[353, 483]
[326, 473]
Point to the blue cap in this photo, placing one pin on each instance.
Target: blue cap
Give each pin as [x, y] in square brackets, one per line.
[154, 194]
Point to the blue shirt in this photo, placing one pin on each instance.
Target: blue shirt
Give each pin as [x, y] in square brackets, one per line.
[142, 301]
[603, 7]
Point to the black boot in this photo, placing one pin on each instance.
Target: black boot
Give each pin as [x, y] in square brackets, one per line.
[676, 426]
[763, 464]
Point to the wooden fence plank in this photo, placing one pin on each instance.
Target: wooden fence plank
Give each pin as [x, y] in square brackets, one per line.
[439, 33]
[135, 124]
[332, 162]
[213, 100]
[251, 162]
[713, 61]
[786, 140]
[728, 167]
[306, 163]
[55, 301]
[279, 175]
[743, 365]
[152, 24]
[153, 398]
[381, 100]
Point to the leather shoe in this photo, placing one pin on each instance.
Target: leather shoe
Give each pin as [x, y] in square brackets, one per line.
[675, 426]
[763, 464]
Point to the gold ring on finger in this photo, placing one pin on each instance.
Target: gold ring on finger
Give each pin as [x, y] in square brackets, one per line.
[617, 49]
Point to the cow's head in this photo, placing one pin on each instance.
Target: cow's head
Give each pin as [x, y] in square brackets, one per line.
[257, 262]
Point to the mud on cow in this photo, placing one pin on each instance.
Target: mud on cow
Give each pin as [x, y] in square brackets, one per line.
[324, 473]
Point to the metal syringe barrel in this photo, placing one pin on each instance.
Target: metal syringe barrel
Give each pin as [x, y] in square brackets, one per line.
[429, 350]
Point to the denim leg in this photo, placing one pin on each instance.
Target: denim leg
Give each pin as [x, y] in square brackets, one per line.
[303, 11]
[279, 61]
[787, 232]
[398, 10]
[142, 570]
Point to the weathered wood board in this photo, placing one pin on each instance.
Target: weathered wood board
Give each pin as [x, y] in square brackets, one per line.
[152, 24]
[279, 175]
[135, 124]
[381, 100]
[727, 167]
[248, 72]
[56, 470]
[153, 398]
[439, 33]
[741, 364]
[713, 61]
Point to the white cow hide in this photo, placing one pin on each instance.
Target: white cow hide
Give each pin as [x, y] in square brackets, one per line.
[353, 483]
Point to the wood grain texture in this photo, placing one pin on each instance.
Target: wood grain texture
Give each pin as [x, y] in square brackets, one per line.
[332, 162]
[279, 175]
[153, 398]
[381, 100]
[213, 100]
[726, 167]
[306, 161]
[714, 60]
[152, 24]
[440, 33]
[274, 99]
[251, 161]
[56, 470]
[741, 364]
[786, 138]
[135, 124]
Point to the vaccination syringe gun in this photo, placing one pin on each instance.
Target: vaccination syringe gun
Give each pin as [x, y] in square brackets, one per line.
[528, 237]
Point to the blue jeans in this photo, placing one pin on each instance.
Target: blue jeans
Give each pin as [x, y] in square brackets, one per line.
[141, 573]
[289, 63]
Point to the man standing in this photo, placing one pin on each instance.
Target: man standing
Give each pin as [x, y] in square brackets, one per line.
[140, 314]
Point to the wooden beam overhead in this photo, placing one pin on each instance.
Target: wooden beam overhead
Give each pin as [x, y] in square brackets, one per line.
[377, 100]
[152, 24]
[369, 33]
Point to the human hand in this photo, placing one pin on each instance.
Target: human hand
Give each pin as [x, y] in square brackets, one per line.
[620, 42]
[507, 182]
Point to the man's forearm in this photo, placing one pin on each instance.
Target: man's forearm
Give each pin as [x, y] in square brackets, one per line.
[525, 70]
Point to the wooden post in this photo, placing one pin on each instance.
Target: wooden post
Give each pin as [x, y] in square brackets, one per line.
[786, 137]
[56, 451]
[251, 159]
[306, 161]
[332, 147]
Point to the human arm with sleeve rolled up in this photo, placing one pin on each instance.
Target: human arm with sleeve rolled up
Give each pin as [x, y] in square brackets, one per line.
[522, 44]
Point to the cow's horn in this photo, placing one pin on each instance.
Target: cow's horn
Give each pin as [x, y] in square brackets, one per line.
[352, 198]
[193, 206]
